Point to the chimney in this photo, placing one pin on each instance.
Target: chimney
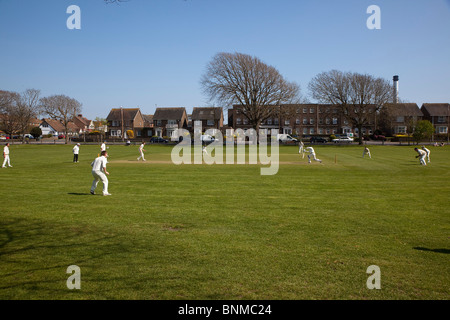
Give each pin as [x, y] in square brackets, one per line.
[395, 89]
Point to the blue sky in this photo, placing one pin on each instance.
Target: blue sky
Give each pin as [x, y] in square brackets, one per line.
[149, 53]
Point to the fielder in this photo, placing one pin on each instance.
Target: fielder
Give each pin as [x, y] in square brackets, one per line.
[103, 146]
[312, 154]
[6, 156]
[301, 149]
[367, 151]
[422, 154]
[76, 150]
[99, 172]
[141, 151]
[428, 153]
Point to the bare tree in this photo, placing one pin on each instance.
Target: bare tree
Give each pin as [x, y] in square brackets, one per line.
[360, 97]
[27, 108]
[236, 78]
[61, 108]
[8, 112]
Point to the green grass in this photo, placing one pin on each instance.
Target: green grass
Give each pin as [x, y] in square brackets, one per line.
[225, 231]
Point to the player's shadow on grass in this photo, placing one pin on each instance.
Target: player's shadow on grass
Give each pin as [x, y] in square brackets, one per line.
[447, 251]
[79, 194]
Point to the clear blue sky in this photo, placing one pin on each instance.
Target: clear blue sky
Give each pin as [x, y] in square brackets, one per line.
[150, 53]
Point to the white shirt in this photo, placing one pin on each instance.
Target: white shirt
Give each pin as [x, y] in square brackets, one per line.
[141, 147]
[6, 150]
[76, 149]
[99, 163]
[103, 147]
[421, 152]
[310, 150]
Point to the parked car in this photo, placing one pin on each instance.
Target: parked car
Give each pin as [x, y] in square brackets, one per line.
[2, 138]
[28, 136]
[207, 138]
[378, 137]
[61, 136]
[343, 139]
[286, 138]
[318, 140]
[158, 140]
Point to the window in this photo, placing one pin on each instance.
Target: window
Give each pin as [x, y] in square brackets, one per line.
[311, 121]
[305, 131]
[276, 121]
[400, 119]
[345, 121]
[297, 121]
[442, 130]
[245, 121]
[305, 121]
[335, 120]
[327, 121]
[320, 121]
[311, 110]
[441, 119]
[401, 129]
[138, 133]
[158, 122]
[238, 121]
[269, 121]
[210, 122]
[286, 122]
[297, 111]
[305, 110]
[115, 123]
[328, 131]
[320, 131]
[311, 131]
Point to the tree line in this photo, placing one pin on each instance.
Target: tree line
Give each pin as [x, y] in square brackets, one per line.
[17, 110]
[240, 79]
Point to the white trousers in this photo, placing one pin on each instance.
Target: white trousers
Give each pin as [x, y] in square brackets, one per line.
[368, 153]
[98, 175]
[6, 161]
[313, 155]
[141, 156]
[422, 160]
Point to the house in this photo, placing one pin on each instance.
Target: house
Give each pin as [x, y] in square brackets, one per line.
[439, 115]
[209, 118]
[56, 128]
[402, 118]
[148, 130]
[120, 120]
[166, 120]
[297, 119]
[83, 123]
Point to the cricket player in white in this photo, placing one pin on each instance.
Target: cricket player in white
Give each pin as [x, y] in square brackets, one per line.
[301, 149]
[103, 146]
[141, 151]
[76, 150]
[6, 156]
[422, 155]
[367, 151]
[312, 154]
[99, 172]
[428, 153]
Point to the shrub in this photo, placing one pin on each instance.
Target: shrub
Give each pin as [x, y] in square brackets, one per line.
[36, 132]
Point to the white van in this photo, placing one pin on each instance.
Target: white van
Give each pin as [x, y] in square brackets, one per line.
[286, 138]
